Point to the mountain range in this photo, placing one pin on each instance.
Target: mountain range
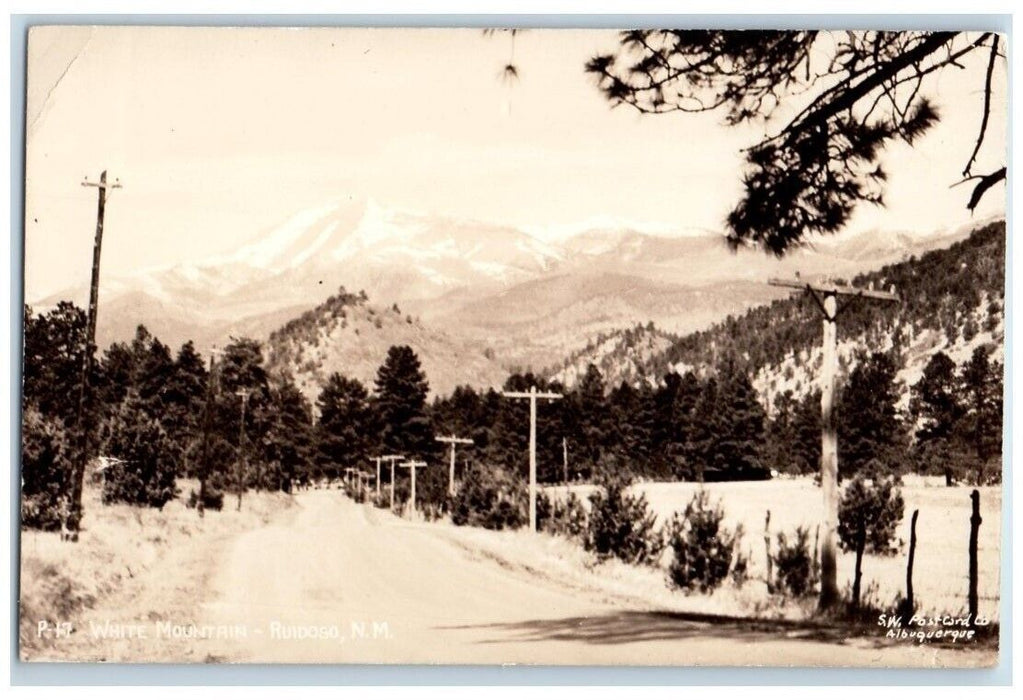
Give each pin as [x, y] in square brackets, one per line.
[530, 302]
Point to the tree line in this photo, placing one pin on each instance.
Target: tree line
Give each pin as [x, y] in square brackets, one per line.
[158, 414]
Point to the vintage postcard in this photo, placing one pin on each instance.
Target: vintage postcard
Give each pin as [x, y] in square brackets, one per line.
[559, 347]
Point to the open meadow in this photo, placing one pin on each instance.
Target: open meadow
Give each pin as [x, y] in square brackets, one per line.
[941, 568]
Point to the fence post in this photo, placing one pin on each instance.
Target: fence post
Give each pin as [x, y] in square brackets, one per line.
[975, 521]
[909, 564]
[767, 551]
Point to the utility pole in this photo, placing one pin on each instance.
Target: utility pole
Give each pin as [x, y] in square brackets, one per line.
[81, 456]
[412, 465]
[377, 460]
[392, 459]
[564, 459]
[244, 394]
[205, 468]
[532, 395]
[453, 441]
[826, 295]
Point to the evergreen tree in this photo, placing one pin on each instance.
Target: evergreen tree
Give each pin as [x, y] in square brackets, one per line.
[345, 426]
[594, 429]
[45, 469]
[53, 354]
[780, 436]
[240, 369]
[289, 438]
[739, 419]
[143, 472]
[183, 397]
[806, 432]
[401, 391]
[980, 382]
[672, 428]
[868, 423]
[934, 400]
[632, 419]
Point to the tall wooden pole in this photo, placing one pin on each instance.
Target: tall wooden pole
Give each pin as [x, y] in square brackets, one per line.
[82, 425]
[244, 395]
[205, 468]
[453, 441]
[826, 297]
[532, 395]
[392, 459]
[829, 457]
[412, 465]
[377, 489]
[975, 521]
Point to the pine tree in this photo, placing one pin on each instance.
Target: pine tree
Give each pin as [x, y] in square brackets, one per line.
[240, 368]
[53, 354]
[143, 472]
[345, 426]
[740, 426]
[806, 446]
[45, 468]
[594, 428]
[780, 436]
[980, 382]
[401, 391]
[183, 401]
[869, 428]
[289, 438]
[934, 400]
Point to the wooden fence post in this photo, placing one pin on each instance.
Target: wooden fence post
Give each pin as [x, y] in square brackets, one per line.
[767, 551]
[975, 521]
[909, 563]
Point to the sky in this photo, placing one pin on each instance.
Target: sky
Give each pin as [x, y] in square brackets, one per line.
[218, 135]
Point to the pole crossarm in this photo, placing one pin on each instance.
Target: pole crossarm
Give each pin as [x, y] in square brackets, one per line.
[827, 288]
[531, 395]
[455, 440]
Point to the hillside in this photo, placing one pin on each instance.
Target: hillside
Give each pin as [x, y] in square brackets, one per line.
[347, 334]
[952, 300]
[541, 322]
[621, 356]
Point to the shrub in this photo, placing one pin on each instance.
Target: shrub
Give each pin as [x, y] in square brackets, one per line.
[45, 452]
[214, 499]
[622, 525]
[870, 511]
[143, 471]
[702, 549]
[794, 564]
[488, 498]
[565, 517]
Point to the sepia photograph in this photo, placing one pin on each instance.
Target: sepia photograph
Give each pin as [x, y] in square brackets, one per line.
[556, 347]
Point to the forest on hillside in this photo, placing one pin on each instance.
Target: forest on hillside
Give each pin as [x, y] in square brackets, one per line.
[938, 291]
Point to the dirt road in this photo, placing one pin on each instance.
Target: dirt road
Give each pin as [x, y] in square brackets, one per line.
[377, 589]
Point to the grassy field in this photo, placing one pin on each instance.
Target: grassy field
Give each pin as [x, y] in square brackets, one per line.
[124, 551]
[943, 529]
